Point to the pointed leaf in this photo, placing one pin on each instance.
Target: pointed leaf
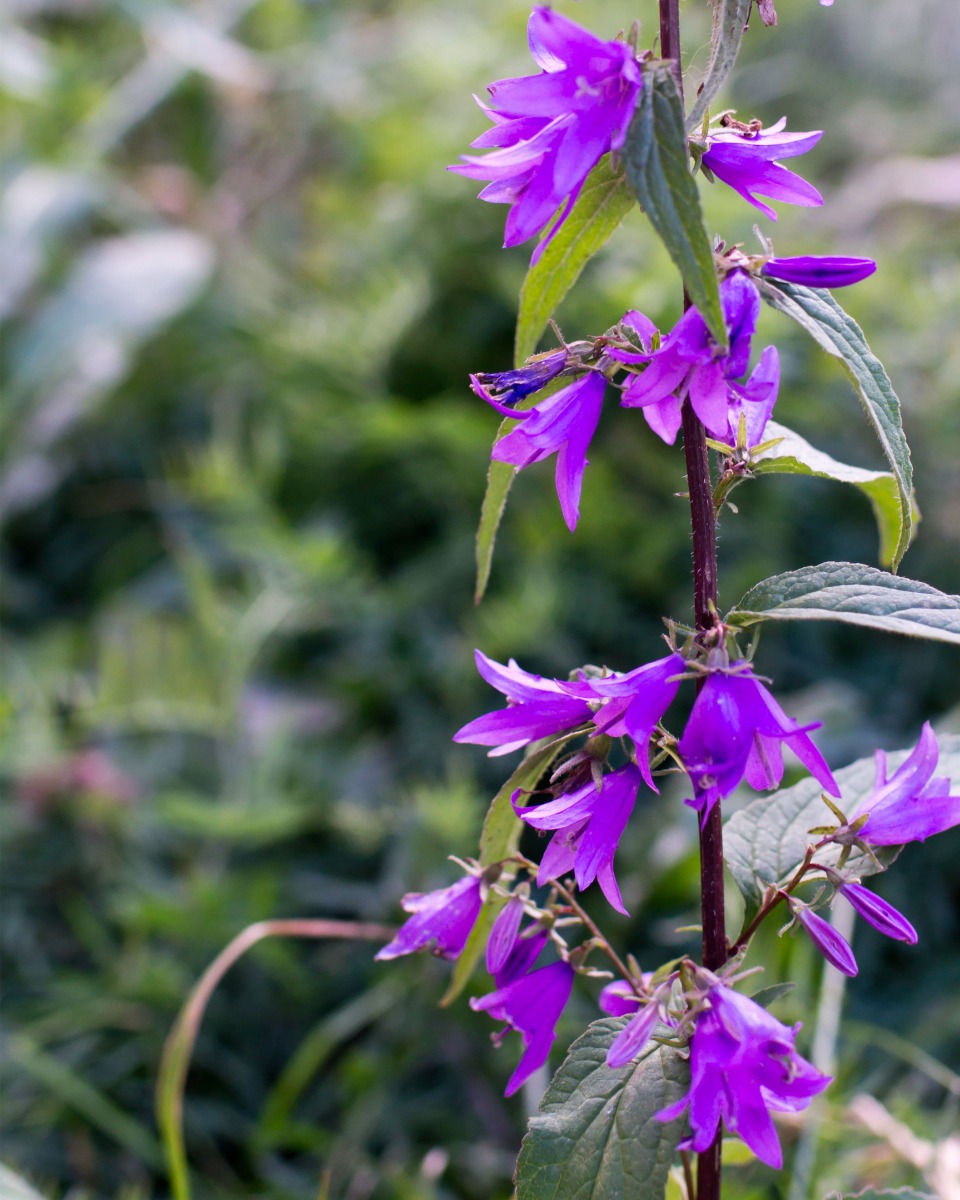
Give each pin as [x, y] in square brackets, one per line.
[886, 1194]
[855, 594]
[500, 477]
[729, 22]
[498, 840]
[657, 161]
[596, 1136]
[822, 317]
[604, 201]
[793, 455]
[766, 841]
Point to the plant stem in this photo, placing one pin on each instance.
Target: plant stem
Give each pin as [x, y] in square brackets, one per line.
[703, 522]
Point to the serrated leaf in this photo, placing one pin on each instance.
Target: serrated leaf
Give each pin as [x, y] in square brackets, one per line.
[729, 22]
[794, 455]
[604, 201]
[766, 841]
[657, 162]
[498, 840]
[816, 311]
[596, 1136]
[855, 594]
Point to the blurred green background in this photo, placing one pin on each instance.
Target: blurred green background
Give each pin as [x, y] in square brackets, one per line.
[241, 474]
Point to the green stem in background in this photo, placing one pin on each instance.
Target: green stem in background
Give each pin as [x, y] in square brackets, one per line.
[703, 523]
[178, 1049]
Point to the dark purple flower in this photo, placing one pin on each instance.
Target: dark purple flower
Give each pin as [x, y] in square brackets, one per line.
[504, 934]
[537, 708]
[513, 386]
[911, 805]
[878, 913]
[743, 1064]
[445, 917]
[550, 130]
[747, 162]
[532, 1006]
[561, 424]
[736, 731]
[832, 945]
[688, 365]
[635, 702]
[588, 823]
[820, 271]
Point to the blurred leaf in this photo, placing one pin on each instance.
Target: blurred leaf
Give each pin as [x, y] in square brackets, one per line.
[816, 311]
[12, 1187]
[765, 842]
[885, 1194]
[596, 1136]
[498, 840]
[729, 23]
[602, 204]
[772, 993]
[793, 455]
[658, 166]
[855, 594]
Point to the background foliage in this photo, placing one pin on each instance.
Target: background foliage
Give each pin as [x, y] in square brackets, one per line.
[241, 476]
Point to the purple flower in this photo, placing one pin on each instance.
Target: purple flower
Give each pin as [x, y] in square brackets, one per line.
[821, 271]
[688, 366]
[561, 424]
[735, 732]
[832, 945]
[532, 1006]
[634, 1036]
[878, 913]
[911, 805]
[742, 1065]
[588, 824]
[550, 130]
[618, 999]
[746, 160]
[445, 917]
[514, 386]
[537, 708]
[635, 702]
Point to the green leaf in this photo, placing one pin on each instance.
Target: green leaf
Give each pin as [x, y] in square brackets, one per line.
[766, 841]
[822, 317]
[657, 162]
[498, 840]
[729, 22]
[772, 993]
[855, 594]
[499, 481]
[596, 1136]
[604, 201]
[793, 455]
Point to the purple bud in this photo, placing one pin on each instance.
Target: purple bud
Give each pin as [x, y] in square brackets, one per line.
[633, 1037]
[822, 271]
[879, 913]
[832, 945]
[503, 935]
[619, 999]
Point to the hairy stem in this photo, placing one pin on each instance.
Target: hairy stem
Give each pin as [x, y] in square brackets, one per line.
[703, 521]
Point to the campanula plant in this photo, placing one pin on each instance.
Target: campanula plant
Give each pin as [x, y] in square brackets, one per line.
[689, 1044]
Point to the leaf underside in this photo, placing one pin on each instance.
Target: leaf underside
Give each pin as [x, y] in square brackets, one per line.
[729, 23]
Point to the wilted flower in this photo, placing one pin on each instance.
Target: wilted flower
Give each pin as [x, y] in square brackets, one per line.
[911, 805]
[532, 1006]
[445, 917]
[688, 365]
[821, 271]
[744, 157]
[513, 386]
[550, 130]
[743, 1064]
[588, 823]
[832, 945]
[561, 424]
[736, 731]
[537, 708]
[877, 912]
